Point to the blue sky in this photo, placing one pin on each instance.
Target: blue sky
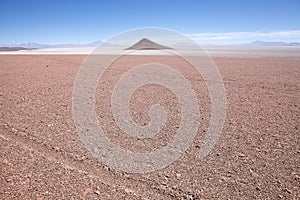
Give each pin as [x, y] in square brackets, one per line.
[211, 21]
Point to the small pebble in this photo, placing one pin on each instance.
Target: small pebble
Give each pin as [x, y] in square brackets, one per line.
[14, 130]
[56, 148]
[287, 190]
[8, 180]
[241, 155]
[127, 190]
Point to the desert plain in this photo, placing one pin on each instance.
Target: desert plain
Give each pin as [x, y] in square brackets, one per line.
[257, 155]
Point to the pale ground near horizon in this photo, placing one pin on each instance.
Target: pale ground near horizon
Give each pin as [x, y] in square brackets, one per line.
[215, 51]
[257, 155]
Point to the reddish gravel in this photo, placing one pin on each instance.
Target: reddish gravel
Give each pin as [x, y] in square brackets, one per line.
[257, 155]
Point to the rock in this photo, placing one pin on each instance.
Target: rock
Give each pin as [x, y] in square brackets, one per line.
[127, 190]
[97, 192]
[87, 191]
[8, 180]
[56, 148]
[241, 155]
[14, 130]
[287, 190]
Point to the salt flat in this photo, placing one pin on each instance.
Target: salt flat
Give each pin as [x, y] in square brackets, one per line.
[214, 51]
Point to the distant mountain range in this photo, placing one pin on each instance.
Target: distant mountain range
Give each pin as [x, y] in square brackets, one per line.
[14, 48]
[34, 45]
[264, 43]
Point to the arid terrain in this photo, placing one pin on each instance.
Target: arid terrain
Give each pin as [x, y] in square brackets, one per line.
[257, 155]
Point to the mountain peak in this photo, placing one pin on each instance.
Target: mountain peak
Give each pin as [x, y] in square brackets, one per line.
[146, 44]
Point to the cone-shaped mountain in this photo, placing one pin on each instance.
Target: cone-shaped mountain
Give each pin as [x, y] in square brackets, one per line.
[146, 44]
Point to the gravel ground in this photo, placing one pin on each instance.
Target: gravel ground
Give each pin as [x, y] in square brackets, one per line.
[256, 157]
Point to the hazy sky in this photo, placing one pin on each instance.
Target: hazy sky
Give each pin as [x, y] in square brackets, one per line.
[210, 21]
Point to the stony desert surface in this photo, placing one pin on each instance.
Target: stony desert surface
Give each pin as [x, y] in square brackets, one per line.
[257, 155]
